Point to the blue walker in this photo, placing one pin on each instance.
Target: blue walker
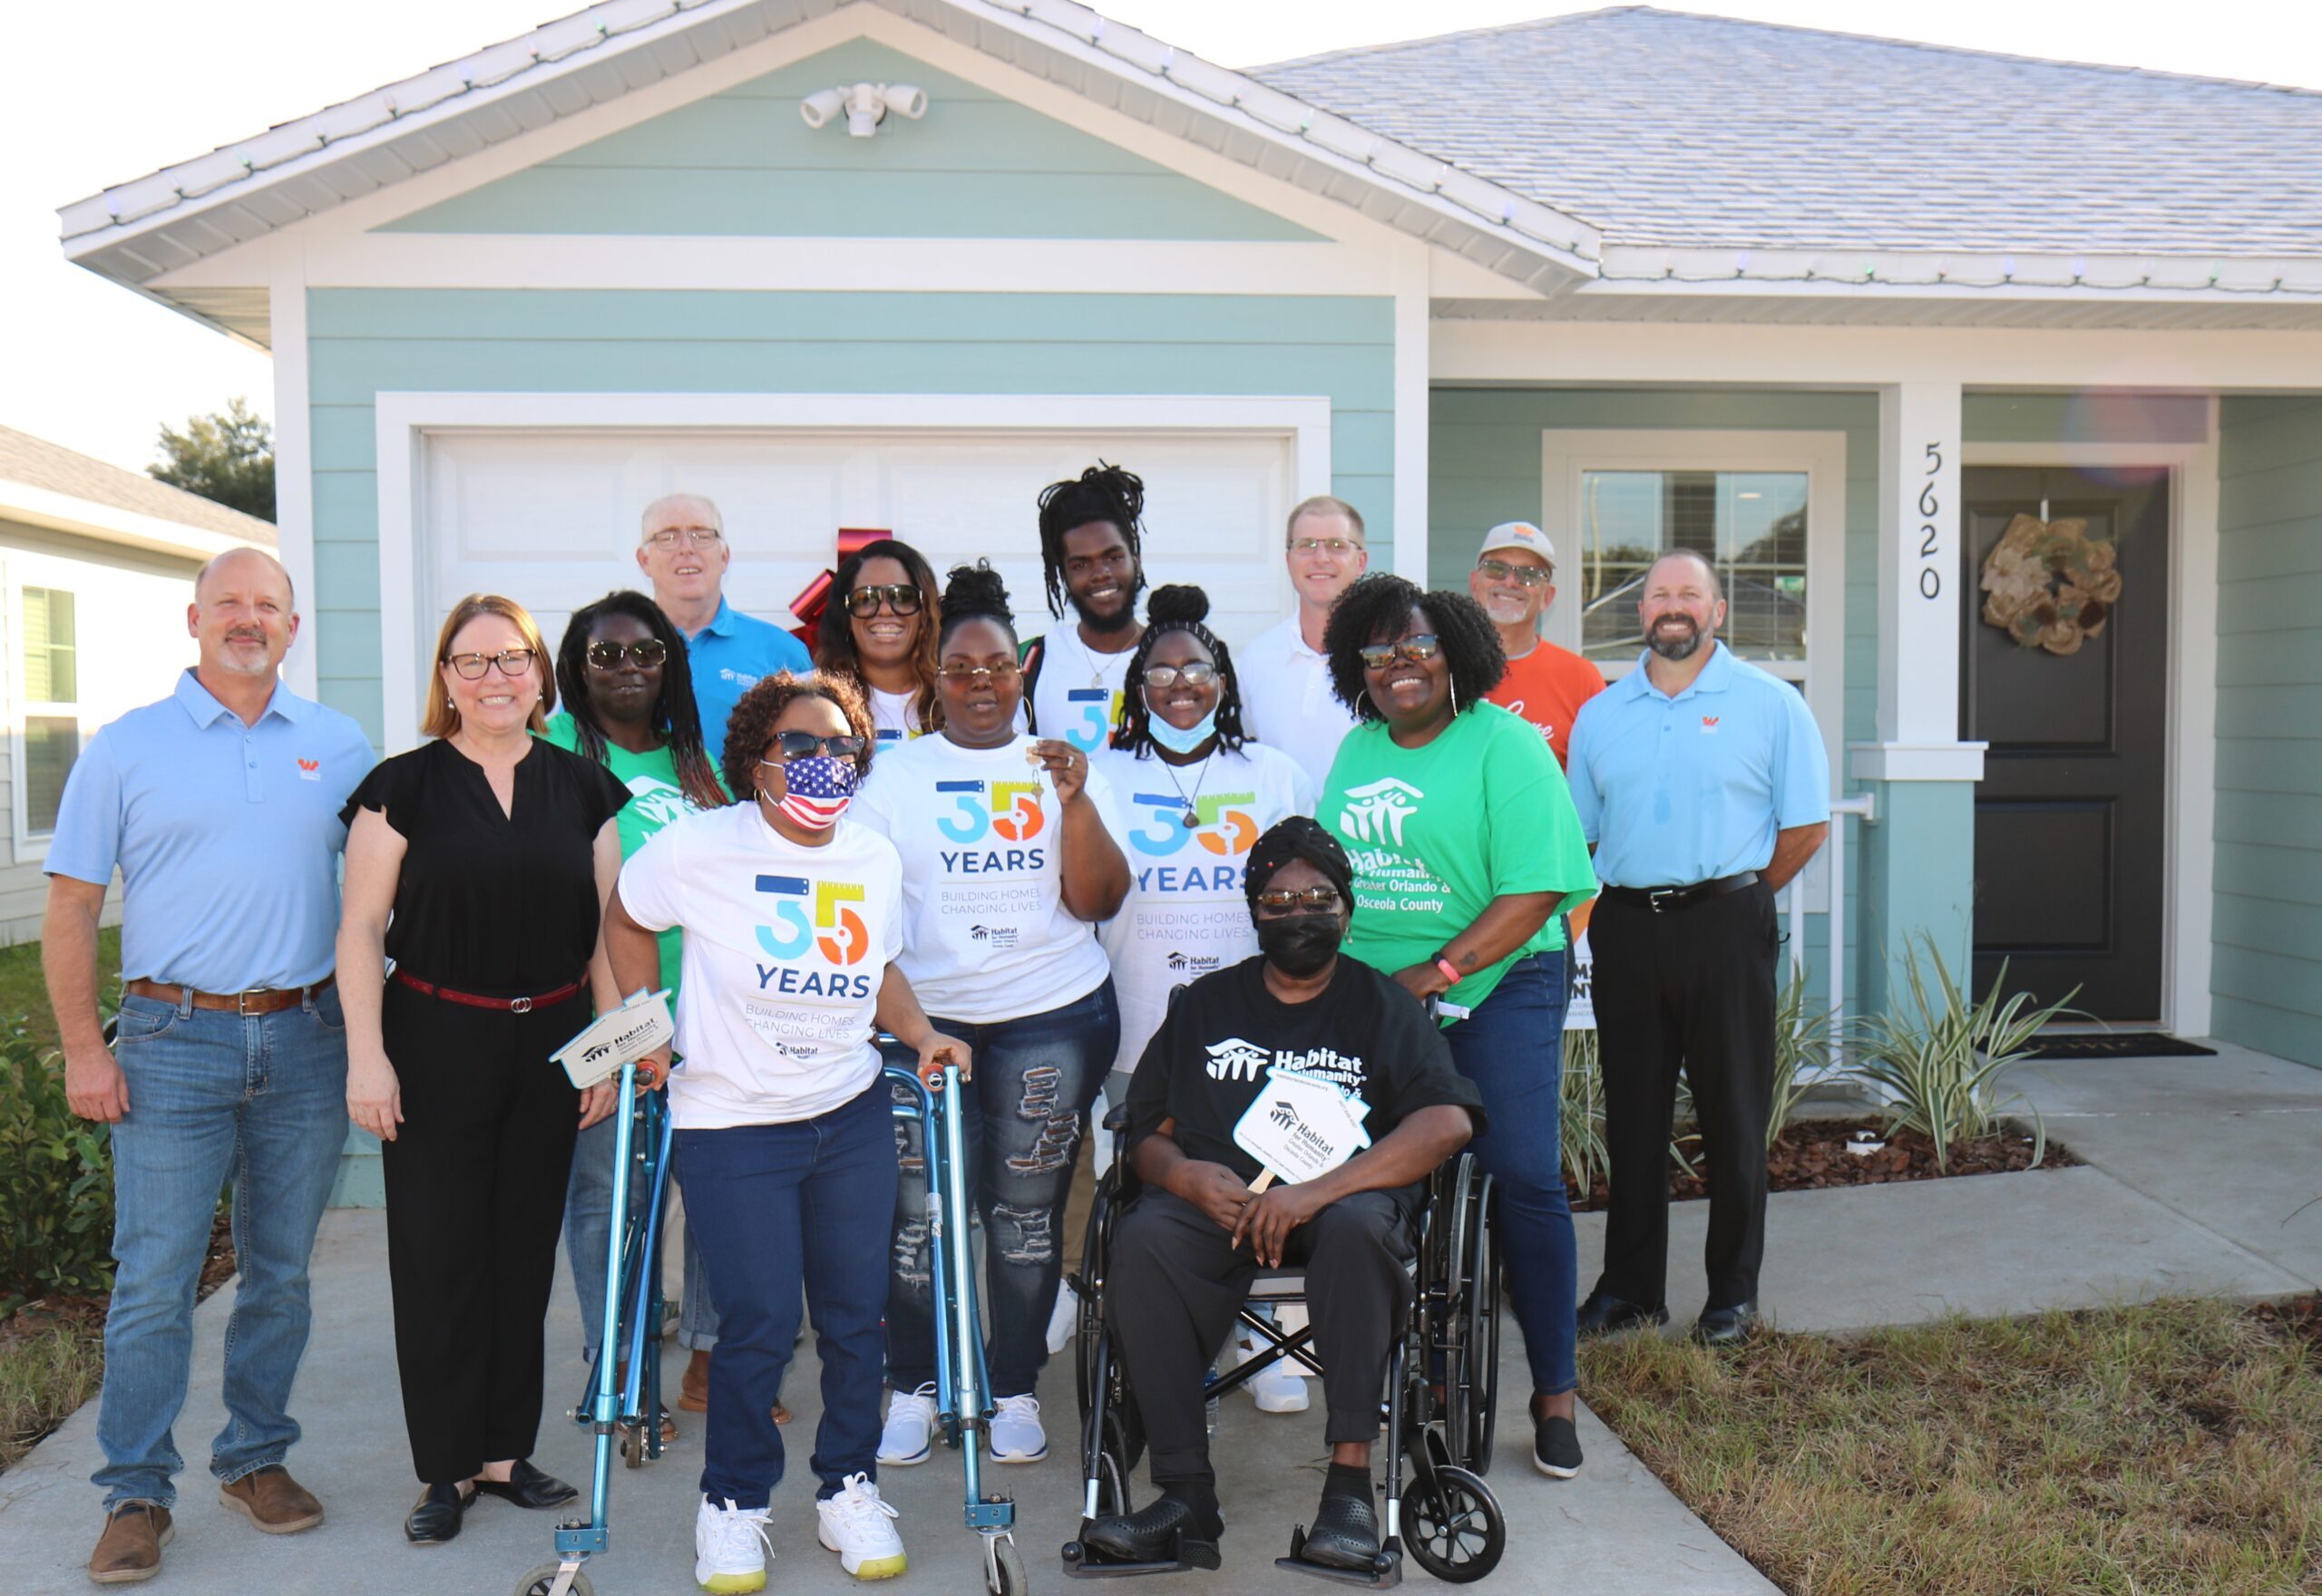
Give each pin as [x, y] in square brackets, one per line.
[626, 1413]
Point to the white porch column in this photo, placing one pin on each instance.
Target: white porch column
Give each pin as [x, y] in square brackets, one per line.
[1412, 358]
[294, 461]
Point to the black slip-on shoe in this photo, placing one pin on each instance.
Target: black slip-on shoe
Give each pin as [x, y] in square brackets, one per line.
[436, 1516]
[527, 1486]
[1603, 1314]
[1726, 1326]
[1556, 1447]
[1345, 1532]
[1163, 1530]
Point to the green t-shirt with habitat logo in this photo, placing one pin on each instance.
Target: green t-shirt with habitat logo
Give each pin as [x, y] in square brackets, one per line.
[656, 799]
[1437, 832]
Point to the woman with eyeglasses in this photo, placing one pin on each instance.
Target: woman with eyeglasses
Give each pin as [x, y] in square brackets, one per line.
[1010, 858]
[1467, 855]
[629, 705]
[479, 863]
[879, 629]
[792, 915]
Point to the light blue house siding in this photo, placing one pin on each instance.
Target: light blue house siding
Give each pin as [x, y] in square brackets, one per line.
[2266, 976]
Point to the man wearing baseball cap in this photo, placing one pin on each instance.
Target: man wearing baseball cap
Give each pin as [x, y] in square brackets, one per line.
[1515, 581]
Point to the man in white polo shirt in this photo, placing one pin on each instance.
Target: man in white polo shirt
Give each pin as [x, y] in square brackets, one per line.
[1286, 698]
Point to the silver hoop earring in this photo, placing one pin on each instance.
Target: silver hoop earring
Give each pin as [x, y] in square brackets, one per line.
[1453, 688]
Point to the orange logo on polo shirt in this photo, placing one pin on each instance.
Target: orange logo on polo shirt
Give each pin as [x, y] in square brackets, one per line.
[310, 770]
[1708, 725]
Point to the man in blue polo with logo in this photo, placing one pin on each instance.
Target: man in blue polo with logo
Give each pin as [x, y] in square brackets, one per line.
[684, 553]
[220, 806]
[1703, 784]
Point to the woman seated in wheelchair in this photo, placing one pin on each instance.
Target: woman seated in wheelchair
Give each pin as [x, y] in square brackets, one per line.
[1187, 1248]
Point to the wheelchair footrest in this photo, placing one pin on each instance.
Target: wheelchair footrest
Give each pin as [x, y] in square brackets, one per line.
[1082, 1562]
[1386, 1569]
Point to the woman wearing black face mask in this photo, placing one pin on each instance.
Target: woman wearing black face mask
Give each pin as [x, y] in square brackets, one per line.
[1186, 1251]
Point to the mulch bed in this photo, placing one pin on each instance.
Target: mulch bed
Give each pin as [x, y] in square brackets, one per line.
[1811, 1155]
[2300, 1317]
[85, 1316]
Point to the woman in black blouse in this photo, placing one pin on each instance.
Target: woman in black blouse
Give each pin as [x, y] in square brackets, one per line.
[494, 851]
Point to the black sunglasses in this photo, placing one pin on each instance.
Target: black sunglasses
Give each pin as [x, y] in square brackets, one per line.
[805, 745]
[899, 597]
[1277, 899]
[648, 652]
[1418, 649]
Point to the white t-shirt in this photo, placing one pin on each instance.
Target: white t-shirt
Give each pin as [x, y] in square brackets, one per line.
[986, 935]
[893, 716]
[1184, 915]
[1078, 695]
[1287, 701]
[785, 948]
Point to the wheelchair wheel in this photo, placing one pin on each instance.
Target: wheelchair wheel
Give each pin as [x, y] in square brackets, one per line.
[1454, 1529]
[1482, 1337]
[1113, 1471]
[1088, 1287]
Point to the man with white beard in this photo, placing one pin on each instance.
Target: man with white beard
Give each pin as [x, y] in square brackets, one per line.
[1515, 581]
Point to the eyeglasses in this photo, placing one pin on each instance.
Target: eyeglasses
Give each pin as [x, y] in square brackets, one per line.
[669, 538]
[805, 745]
[513, 662]
[1523, 576]
[1339, 546]
[899, 597]
[648, 652]
[1193, 673]
[1276, 901]
[978, 674]
[1418, 649]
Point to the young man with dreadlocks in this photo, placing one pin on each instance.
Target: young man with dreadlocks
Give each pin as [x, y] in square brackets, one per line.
[1091, 556]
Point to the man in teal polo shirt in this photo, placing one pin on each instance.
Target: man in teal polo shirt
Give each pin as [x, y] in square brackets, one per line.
[684, 553]
[1703, 784]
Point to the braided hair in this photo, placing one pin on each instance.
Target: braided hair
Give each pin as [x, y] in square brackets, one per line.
[835, 633]
[974, 592]
[1101, 493]
[1177, 608]
[674, 717]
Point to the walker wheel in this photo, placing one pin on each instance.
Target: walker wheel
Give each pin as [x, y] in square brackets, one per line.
[1003, 1567]
[543, 1580]
[632, 1447]
[1456, 1530]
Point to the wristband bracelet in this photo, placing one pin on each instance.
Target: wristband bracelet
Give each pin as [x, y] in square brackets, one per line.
[1451, 971]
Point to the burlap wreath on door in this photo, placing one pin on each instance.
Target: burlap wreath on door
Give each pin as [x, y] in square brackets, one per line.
[2051, 585]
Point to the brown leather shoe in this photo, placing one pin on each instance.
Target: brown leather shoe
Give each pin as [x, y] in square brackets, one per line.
[693, 1390]
[270, 1499]
[131, 1548]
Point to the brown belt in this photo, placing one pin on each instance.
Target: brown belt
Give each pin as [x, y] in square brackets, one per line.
[261, 1000]
[475, 1000]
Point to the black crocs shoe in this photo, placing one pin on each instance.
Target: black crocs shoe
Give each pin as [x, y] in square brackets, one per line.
[1165, 1530]
[1345, 1533]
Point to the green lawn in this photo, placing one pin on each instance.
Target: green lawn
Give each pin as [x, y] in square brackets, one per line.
[23, 995]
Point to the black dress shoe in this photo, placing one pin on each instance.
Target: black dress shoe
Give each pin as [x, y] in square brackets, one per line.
[436, 1516]
[1726, 1326]
[1345, 1532]
[1603, 1314]
[1165, 1530]
[526, 1487]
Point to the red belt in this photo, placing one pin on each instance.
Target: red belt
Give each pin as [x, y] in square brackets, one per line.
[475, 1000]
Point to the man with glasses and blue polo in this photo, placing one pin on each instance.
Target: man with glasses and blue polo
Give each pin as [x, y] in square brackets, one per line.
[219, 807]
[684, 554]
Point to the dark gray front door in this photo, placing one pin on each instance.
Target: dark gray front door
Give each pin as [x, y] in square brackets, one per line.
[2070, 835]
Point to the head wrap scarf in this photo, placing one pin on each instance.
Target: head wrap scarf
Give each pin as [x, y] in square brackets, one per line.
[1298, 837]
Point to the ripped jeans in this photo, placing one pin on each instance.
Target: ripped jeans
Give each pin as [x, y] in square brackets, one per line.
[1034, 1080]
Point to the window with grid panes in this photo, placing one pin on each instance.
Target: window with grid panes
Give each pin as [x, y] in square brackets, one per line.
[1752, 525]
[51, 690]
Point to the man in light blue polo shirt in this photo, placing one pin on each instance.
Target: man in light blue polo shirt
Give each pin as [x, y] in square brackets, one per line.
[684, 553]
[220, 806]
[1703, 784]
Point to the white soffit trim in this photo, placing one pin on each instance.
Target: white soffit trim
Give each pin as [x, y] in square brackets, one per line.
[63, 513]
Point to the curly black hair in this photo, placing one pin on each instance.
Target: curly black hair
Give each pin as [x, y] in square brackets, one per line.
[675, 718]
[1376, 609]
[974, 592]
[751, 725]
[1102, 493]
[835, 633]
[1177, 608]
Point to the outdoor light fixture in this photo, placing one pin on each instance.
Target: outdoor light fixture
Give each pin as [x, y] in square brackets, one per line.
[865, 105]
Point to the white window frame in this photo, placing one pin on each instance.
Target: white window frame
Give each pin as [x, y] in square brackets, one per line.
[1567, 455]
[25, 847]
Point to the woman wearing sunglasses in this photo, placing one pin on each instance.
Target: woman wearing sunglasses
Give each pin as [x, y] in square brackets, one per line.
[879, 629]
[629, 705]
[1010, 858]
[791, 918]
[492, 851]
[1467, 853]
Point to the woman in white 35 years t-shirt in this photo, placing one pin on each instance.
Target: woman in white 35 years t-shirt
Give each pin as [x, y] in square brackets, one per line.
[1010, 857]
[879, 630]
[784, 1141]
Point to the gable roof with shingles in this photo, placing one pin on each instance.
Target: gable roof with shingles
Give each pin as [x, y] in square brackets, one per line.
[1669, 128]
[35, 462]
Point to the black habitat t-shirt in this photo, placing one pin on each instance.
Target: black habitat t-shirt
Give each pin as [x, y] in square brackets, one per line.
[1225, 1031]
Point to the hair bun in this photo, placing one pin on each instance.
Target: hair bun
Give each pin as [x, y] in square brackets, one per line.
[1178, 604]
[976, 590]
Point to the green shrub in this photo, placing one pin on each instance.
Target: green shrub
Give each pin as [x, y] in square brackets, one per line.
[55, 1183]
[1580, 1117]
[1808, 1053]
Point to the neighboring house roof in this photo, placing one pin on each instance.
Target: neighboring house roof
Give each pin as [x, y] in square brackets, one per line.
[48, 485]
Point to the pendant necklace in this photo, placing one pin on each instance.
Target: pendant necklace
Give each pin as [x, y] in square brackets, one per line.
[1189, 819]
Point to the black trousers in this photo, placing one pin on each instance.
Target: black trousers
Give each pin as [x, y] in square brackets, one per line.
[475, 1182]
[1175, 1285]
[1691, 988]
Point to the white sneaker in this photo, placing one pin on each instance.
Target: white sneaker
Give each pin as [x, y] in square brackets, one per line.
[1015, 1433]
[730, 1548]
[909, 1434]
[860, 1526]
[1280, 1387]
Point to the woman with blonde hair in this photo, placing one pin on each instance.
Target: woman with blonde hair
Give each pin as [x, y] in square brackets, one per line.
[479, 863]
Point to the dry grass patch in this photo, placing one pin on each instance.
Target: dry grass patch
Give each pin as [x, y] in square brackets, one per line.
[2146, 1451]
[46, 1370]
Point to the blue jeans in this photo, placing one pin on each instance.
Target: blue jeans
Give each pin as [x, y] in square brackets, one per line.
[1034, 1080]
[215, 1098]
[777, 1206]
[588, 1238]
[1512, 1048]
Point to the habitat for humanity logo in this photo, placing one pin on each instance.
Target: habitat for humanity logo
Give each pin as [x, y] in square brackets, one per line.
[831, 928]
[1011, 812]
[1375, 811]
[1222, 824]
[1236, 1060]
[1001, 937]
[1196, 964]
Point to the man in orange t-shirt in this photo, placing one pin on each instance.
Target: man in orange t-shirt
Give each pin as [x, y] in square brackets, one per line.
[1515, 581]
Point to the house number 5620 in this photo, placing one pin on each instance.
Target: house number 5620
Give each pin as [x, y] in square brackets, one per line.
[1930, 573]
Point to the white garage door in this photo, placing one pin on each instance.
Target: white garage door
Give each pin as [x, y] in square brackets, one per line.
[550, 517]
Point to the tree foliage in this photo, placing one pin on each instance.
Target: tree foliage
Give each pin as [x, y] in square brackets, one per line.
[226, 456]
